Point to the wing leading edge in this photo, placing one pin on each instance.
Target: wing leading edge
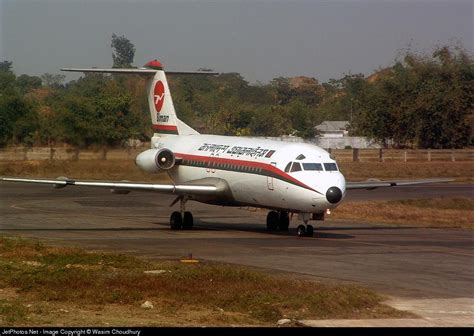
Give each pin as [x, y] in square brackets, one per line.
[373, 184]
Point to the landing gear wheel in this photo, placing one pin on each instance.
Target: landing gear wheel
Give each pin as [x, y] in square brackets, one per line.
[272, 220]
[284, 221]
[301, 231]
[176, 221]
[188, 221]
[309, 230]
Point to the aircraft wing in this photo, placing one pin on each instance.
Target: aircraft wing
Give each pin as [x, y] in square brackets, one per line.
[373, 184]
[209, 186]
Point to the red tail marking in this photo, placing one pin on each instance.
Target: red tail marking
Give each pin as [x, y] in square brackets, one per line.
[159, 95]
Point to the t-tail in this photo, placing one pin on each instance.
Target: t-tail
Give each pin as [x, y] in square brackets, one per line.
[163, 115]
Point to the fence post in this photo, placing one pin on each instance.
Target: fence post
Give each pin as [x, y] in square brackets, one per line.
[381, 158]
[452, 156]
[405, 156]
[355, 155]
[51, 153]
[429, 154]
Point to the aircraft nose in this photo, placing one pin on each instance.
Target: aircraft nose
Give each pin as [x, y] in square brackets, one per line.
[334, 195]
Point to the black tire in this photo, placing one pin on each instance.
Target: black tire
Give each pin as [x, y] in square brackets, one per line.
[309, 230]
[176, 221]
[272, 221]
[188, 221]
[301, 231]
[284, 221]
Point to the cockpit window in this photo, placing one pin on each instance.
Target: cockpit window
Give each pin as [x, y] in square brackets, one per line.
[287, 168]
[313, 166]
[330, 166]
[295, 167]
[300, 157]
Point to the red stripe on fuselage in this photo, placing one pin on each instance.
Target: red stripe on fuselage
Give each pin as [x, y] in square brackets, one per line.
[243, 163]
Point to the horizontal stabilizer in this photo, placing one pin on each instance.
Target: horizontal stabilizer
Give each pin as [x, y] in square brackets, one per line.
[139, 71]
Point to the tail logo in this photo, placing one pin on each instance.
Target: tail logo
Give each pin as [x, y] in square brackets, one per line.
[159, 95]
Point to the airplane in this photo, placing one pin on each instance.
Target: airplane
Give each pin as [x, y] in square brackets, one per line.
[285, 178]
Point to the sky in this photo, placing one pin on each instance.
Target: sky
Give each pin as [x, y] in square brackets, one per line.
[261, 40]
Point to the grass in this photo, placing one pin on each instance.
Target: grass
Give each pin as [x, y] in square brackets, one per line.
[436, 212]
[11, 312]
[100, 288]
[359, 171]
[83, 169]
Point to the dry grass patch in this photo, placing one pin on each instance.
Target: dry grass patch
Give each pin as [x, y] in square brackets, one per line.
[439, 212]
[82, 169]
[359, 171]
[205, 293]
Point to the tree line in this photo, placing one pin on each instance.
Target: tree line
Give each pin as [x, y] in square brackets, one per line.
[421, 101]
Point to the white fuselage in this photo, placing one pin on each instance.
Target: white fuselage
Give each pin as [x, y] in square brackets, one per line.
[258, 172]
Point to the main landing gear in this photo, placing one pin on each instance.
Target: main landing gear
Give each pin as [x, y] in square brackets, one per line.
[278, 221]
[181, 219]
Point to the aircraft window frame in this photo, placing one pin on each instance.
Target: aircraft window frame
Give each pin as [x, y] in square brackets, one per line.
[305, 164]
[293, 167]
[333, 166]
[288, 166]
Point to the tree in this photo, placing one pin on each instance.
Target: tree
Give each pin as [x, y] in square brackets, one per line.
[422, 101]
[123, 52]
[7, 78]
[6, 66]
[26, 83]
[52, 80]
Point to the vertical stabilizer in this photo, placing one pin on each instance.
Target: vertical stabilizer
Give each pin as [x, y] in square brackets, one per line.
[162, 112]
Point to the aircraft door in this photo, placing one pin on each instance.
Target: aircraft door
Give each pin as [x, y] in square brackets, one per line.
[270, 179]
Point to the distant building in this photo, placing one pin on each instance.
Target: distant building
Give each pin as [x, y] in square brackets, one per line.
[333, 135]
[333, 129]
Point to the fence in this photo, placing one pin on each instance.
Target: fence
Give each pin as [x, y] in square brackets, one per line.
[344, 155]
[61, 153]
[401, 155]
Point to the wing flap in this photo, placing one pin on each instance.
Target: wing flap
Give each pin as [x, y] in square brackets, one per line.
[394, 183]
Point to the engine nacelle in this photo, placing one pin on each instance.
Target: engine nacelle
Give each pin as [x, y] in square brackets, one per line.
[155, 160]
[165, 159]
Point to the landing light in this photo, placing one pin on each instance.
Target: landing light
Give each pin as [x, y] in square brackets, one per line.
[328, 211]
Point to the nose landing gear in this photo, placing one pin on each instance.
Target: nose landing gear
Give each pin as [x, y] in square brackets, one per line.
[303, 231]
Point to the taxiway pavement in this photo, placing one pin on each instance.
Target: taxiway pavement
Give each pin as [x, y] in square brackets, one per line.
[400, 261]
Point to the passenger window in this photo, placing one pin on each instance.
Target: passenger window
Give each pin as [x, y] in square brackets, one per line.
[330, 166]
[295, 167]
[287, 168]
[313, 166]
